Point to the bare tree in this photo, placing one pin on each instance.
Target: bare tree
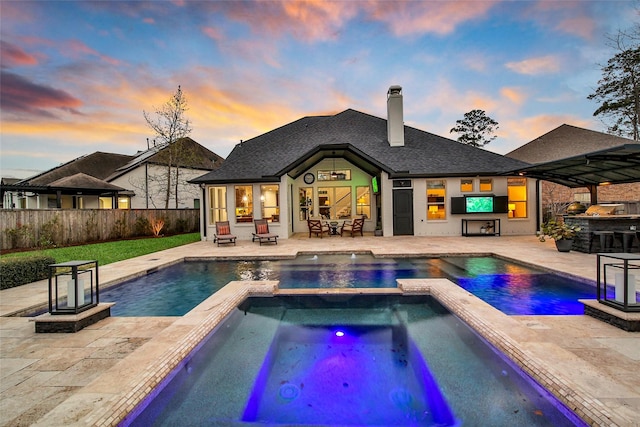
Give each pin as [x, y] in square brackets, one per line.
[170, 124]
[475, 129]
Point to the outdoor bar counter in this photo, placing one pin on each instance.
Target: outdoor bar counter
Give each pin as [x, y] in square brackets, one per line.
[590, 223]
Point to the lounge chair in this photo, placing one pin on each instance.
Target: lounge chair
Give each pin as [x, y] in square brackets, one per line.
[318, 228]
[353, 227]
[262, 233]
[223, 233]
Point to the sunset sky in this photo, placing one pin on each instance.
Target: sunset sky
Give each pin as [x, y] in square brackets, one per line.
[77, 76]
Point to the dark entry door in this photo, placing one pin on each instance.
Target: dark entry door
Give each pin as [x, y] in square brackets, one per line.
[403, 212]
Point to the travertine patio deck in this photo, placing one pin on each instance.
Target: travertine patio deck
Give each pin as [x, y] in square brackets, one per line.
[90, 377]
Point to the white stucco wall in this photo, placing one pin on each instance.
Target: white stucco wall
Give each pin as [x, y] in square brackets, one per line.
[135, 180]
[450, 225]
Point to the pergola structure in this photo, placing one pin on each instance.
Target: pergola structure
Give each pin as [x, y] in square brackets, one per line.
[614, 165]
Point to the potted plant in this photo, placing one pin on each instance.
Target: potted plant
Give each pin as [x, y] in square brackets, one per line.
[559, 231]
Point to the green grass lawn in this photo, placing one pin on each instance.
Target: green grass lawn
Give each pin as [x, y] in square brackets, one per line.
[109, 252]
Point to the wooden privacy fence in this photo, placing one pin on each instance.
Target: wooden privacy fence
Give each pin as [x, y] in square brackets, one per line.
[32, 228]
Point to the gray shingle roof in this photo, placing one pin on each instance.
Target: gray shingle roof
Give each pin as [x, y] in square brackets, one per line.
[99, 165]
[565, 141]
[268, 156]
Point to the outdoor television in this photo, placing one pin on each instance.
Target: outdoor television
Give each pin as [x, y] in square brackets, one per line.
[478, 204]
[374, 185]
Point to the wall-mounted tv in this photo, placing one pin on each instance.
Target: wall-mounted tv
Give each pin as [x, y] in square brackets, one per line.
[479, 204]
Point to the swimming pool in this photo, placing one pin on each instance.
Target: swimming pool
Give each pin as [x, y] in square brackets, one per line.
[511, 288]
[360, 361]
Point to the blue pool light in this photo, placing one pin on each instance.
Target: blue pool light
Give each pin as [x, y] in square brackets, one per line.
[339, 333]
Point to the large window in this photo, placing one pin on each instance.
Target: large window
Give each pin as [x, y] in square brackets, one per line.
[270, 202]
[517, 192]
[363, 202]
[334, 202]
[305, 203]
[244, 203]
[436, 196]
[217, 204]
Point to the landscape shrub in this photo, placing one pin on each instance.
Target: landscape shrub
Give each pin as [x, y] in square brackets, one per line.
[20, 271]
[142, 226]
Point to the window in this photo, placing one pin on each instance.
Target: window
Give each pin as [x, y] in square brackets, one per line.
[217, 204]
[486, 184]
[466, 185]
[436, 196]
[244, 203]
[124, 203]
[270, 202]
[363, 202]
[103, 203]
[335, 175]
[334, 202]
[517, 192]
[305, 203]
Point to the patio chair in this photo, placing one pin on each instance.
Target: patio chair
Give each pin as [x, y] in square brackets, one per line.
[262, 234]
[316, 226]
[353, 227]
[223, 233]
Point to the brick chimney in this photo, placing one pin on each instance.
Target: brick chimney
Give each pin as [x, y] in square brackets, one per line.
[395, 118]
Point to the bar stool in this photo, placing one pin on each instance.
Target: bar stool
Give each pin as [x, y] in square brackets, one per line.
[626, 238]
[605, 239]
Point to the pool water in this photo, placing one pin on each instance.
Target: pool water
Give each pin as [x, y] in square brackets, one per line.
[401, 361]
[509, 287]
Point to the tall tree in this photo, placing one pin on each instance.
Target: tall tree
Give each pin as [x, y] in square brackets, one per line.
[475, 129]
[618, 91]
[170, 123]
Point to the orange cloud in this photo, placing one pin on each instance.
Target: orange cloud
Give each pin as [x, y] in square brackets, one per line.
[513, 94]
[534, 66]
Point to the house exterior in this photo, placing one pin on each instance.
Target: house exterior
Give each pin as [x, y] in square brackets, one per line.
[402, 180]
[116, 181]
[568, 141]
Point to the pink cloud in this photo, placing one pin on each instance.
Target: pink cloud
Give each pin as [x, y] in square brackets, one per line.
[149, 21]
[78, 48]
[19, 95]
[13, 55]
[309, 20]
[439, 17]
[534, 66]
[573, 17]
[213, 33]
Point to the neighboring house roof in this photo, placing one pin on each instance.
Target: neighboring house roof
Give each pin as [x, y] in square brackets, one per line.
[99, 165]
[84, 181]
[566, 141]
[362, 139]
[9, 181]
[577, 157]
[194, 156]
